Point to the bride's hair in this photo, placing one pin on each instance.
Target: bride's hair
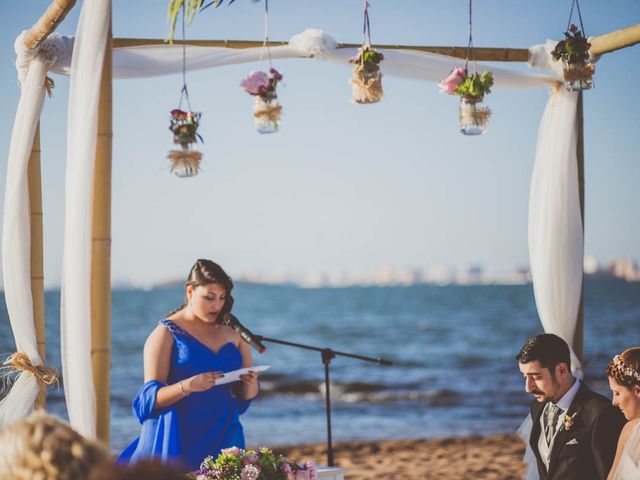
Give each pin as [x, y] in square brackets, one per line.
[625, 368]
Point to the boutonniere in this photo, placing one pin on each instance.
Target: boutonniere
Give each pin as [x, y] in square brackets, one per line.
[568, 422]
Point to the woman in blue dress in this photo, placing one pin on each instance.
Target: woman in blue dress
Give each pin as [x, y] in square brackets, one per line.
[185, 416]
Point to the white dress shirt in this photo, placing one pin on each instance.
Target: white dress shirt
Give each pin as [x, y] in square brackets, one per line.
[563, 404]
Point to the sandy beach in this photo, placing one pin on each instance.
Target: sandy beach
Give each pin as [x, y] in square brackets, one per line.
[496, 457]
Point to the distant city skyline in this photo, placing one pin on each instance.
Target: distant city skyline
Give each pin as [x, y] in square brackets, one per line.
[342, 187]
[623, 268]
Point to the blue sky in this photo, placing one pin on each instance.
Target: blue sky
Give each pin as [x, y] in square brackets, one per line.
[342, 187]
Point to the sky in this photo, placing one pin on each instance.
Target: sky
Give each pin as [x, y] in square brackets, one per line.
[342, 188]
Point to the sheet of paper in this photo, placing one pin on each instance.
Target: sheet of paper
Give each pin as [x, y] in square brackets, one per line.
[234, 375]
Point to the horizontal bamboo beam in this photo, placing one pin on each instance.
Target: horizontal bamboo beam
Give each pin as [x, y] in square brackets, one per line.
[481, 54]
[48, 22]
[610, 42]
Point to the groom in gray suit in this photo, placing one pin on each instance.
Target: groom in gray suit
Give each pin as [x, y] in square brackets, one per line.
[575, 430]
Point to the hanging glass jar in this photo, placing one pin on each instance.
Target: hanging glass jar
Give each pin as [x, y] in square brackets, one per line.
[578, 76]
[474, 117]
[366, 83]
[266, 114]
[184, 155]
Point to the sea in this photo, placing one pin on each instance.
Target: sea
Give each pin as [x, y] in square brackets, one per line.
[452, 350]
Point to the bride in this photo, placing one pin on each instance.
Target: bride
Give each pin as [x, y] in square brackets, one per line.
[624, 380]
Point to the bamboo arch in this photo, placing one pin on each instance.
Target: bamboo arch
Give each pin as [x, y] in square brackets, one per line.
[101, 229]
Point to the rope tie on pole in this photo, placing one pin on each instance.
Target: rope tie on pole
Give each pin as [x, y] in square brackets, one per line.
[20, 362]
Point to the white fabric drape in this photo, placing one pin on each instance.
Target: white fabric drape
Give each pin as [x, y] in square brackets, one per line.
[556, 239]
[82, 126]
[156, 60]
[16, 234]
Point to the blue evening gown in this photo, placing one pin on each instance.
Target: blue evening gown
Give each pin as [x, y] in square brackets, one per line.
[198, 425]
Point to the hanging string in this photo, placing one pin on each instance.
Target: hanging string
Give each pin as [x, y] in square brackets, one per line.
[366, 29]
[184, 93]
[470, 44]
[265, 44]
[577, 5]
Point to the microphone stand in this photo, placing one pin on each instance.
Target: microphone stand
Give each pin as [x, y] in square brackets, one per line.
[327, 355]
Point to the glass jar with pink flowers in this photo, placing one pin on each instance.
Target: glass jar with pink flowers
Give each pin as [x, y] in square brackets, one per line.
[266, 108]
[473, 116]
[577, 67]
[184, 154]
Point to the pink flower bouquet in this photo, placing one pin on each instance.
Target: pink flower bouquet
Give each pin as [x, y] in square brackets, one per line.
[260, 464]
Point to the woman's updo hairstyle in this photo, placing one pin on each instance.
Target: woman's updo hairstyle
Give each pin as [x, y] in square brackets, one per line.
[205, 272]
[625, 368]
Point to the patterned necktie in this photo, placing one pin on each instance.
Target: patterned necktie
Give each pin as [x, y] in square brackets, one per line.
[552, 419]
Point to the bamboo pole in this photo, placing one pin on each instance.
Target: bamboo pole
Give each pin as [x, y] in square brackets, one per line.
[37, 256]
[101, 252]
[610, 42]
[480, 54]
[48, 22]
[578, 337]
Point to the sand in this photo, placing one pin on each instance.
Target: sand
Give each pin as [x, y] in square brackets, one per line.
[496, 457]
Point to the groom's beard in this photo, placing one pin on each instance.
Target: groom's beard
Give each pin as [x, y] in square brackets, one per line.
[550, 395]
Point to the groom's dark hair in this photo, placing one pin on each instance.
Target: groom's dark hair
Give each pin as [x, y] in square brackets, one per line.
[546, 348]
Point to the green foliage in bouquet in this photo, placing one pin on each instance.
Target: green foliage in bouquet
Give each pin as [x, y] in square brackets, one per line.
[476, 86]
[261, 464]
[367, 56]
[574, 49]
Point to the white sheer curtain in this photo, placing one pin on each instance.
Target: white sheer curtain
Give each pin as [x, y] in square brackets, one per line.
[16, 234]
[82, 126]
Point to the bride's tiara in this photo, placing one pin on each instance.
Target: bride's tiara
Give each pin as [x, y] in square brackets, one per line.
[625, 369]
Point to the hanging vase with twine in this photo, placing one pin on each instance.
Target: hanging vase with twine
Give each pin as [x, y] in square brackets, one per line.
[577, 67]
[366, 78]
[262, 86]
[184, 154]
[473, 115]
[266, 108]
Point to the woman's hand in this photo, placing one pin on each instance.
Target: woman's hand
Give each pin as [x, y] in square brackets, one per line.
[201, 382]
[250, 379]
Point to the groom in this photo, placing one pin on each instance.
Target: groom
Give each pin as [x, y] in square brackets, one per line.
[575, 430]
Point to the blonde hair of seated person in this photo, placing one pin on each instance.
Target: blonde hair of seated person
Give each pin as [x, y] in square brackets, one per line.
[43, 447]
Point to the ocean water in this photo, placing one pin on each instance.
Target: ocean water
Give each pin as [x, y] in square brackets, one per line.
[452, 349]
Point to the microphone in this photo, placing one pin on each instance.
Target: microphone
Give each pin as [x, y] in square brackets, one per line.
[246, 334]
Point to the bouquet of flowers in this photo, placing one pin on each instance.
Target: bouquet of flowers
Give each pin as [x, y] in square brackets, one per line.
[184, 126]
[261, 464]
[574, 53]
[367, 78]
[185, 161]
[266, 109]
[472, 89]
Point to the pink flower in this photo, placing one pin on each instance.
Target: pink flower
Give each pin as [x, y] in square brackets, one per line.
[250, 472]
[311, 468]
[255, 83]
[302, 475]
[231, 451]
[573, 28]
[451, 82]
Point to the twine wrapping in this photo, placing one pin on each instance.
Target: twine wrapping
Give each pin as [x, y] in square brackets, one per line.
[578, 73]
[189, 160]
[20, 362]
[367, 84]
[474, 115]
[49, 85]
[267, 112]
